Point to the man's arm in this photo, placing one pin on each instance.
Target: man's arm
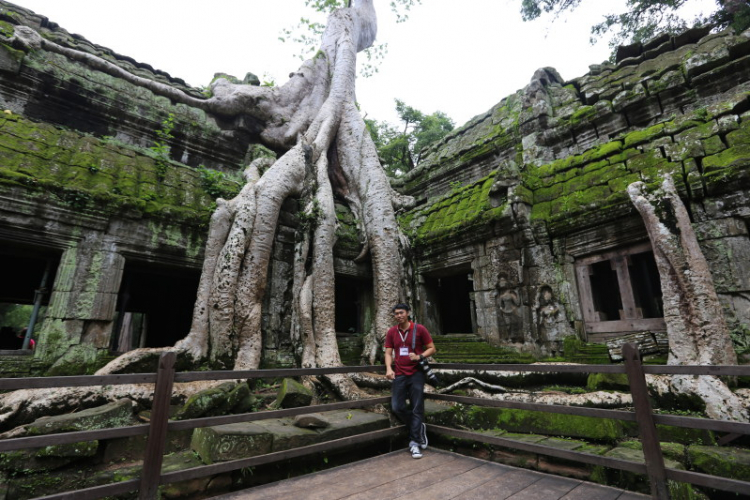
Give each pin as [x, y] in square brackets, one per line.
[389, 374]
[429, 351]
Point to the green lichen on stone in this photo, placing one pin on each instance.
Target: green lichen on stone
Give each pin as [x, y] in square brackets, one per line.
[89, 174]
[720, 461]
[464, 209]
[641, 136]
[292, 394]
[80, 359]
[526, 421]
[577, 351]
[584, 113]
[347, 231]
[607, 382]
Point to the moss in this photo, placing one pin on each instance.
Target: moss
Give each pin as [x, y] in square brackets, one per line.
[729, 166]
[720, 461]
[462, 210]
[607, 381]
[642, 136]
[90, 174]
[577, 351]
[584, 113]
[525, 421]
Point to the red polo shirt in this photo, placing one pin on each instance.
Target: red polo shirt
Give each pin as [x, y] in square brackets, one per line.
[395, 339]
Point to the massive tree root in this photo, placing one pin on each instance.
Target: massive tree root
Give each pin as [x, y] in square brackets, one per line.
[313, 117]
[696, 328]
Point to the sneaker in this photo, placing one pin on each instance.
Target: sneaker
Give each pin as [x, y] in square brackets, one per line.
[423, 445]
[415, 452]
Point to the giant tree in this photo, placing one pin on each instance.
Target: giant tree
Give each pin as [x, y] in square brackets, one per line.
[314, 120]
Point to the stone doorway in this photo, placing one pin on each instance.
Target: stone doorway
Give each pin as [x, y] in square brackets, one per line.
[351, 304]
[154, 306]
[27, 273]
[451, 300]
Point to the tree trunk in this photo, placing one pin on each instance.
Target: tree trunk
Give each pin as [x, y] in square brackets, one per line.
[696, 328]
[309, 116]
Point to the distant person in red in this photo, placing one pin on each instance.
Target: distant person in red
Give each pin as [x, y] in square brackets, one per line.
[21, 336]
[405, 345]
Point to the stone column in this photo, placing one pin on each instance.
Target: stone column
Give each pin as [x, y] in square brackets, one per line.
[82, 303]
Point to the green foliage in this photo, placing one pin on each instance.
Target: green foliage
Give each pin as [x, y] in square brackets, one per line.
[646, 18]
[15, 315]
[308, 32]
[217, 184]
[741, 339]
[308, 219]
[401, 150]
[161, 146]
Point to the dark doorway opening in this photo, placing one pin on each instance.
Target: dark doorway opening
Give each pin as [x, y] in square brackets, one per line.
[605, 291]
[454, 305]
[155, 306]
[644, 276]
[27, 274]
[350, 297]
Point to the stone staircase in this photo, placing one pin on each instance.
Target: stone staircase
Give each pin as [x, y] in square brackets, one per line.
[471, 348]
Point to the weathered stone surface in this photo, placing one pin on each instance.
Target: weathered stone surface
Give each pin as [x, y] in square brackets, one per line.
[48, 458]
[286, 435]
[232, 441]
[215, 401]
[116, 414]
[292, 394]
[311, 421]
[549, 423]
[624, 479]
[345, 423]
[720, 461]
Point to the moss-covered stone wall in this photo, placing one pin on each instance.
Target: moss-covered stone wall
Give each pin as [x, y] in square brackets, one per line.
[524, 191]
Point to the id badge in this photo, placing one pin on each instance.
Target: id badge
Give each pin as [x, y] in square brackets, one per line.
[403, 351]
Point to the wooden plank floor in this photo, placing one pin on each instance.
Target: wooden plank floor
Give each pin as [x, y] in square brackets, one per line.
[439, 475]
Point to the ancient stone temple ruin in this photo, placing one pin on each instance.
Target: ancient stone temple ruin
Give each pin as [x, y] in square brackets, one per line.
[522, 234]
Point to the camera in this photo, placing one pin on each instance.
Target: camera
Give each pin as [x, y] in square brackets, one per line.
[432, 379]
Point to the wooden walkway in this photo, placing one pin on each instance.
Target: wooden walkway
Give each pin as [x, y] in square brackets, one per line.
[438, 475]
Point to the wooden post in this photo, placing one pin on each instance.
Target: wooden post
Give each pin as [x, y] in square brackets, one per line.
[157, 432]
[651, 448]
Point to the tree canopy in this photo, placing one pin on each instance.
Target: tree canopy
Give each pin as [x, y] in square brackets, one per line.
[646, 18]
[400, 148]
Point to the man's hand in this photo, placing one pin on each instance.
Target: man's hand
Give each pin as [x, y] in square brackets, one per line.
[413, 357]
[389, 374]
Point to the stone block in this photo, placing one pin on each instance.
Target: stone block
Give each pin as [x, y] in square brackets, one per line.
[10, 59]
[728, 259]
[48, 458]
[206, 402]
[116, 414]
[231, 442]
[292, 394]
[286, 435]
[345, 423]
[706, 60]
[525, 421]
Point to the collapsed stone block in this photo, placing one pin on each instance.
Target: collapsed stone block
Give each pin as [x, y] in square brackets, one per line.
[293, 394]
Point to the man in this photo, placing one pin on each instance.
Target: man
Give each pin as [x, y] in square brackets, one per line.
[405, 345]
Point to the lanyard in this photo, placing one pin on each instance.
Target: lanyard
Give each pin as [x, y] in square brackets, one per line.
[403, 336]
[413, 336]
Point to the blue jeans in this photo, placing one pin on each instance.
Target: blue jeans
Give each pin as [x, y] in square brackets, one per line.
[412, 387]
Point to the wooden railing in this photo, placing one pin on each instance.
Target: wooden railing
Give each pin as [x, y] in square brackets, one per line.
[643, 415]
[151, 478]
[159, 425]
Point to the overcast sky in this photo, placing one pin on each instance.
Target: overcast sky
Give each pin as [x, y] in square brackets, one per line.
[457, 56]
